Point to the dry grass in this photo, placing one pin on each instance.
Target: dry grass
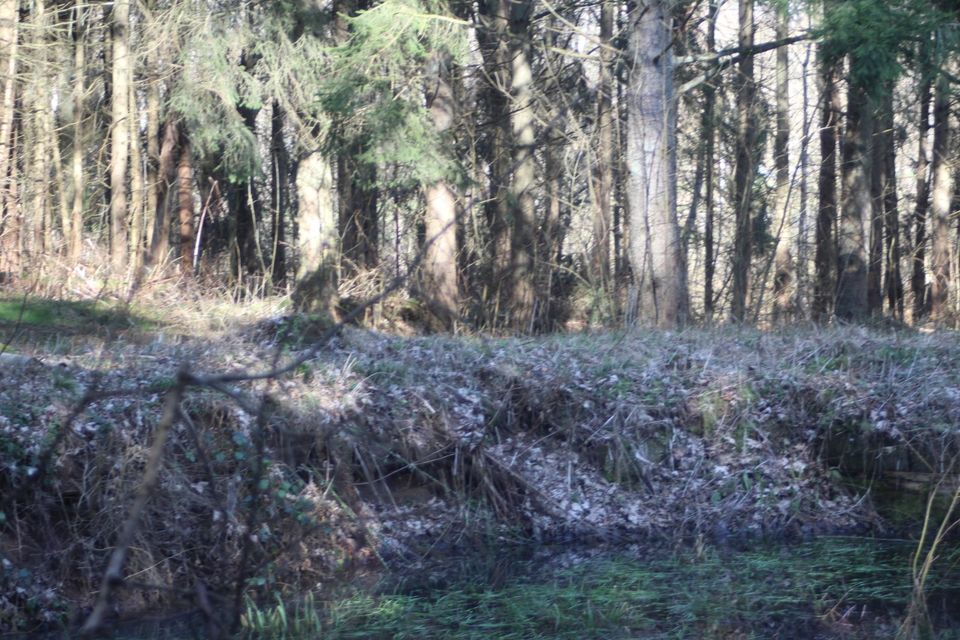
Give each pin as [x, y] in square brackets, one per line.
[382, 443]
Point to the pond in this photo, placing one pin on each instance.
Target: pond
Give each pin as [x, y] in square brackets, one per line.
[834, 587]
[830, 587]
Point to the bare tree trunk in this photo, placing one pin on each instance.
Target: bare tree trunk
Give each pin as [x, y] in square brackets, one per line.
[857, 207]
[9, 208]
[185, 204]
[35, 142]
[75, 242]
[803, 279]
[875, 224]
[440, 259]
[744, 172]
[522, 123]
[940, 201]
[825, 251]
[492, 35]
[59, 179]
[784, 274]
[918, 273]
[120, 133]
[153, 144]
[658, 270]
[318, 238]
[167, 174]
[709, 133]
[893, 277]
[136, 181]
[603, 171]
[281, 198]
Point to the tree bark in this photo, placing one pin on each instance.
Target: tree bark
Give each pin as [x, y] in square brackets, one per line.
[9, 207]
[856, 207]
[825, 251]
[709, 134]
[940, 201]
[185, 205]
[784, 267]
[318, 239]
[167, 175]
[918, 276]
[78, 177]
[522, 197]
[281, 197]
[744, 172]
[893, 277]
[493, 35]
[137, 187]
[603, 171]
[440, 258]
[119, 133]
[658, 271]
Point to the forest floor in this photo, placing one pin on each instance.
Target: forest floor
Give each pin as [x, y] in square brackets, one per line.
[385, 447]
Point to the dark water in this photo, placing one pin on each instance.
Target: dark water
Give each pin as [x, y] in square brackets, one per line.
[827, 588]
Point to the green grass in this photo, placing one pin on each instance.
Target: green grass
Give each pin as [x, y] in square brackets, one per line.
[81, 316]
[757, 591]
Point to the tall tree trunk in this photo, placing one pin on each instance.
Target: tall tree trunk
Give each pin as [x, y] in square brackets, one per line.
[744, 172]
[318, 238]
[940, 201]
[709, 134]
[153, 141]
[9, 208]
[119, 133]
[784, 267]
[37, 178]
[78, 177]
[137, 187]
[281, 198]
[918, 277]
[185, 205]
[893, 277]
[167, 175]
[825, 251]
[658, 270]
[856, 211]
[603, 170]
[803, 279]
[875, 224]
[440, 259]
[493, 35]
[522, 200]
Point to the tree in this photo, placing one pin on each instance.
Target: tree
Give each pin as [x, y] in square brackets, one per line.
[440, 219]
[522, 197]
[658, 270]
[119, 133]
[784, 276]
[856, 205]
[744, 172]
[825, 253]
[941, 196]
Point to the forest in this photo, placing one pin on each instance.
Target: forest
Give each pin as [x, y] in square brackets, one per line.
[522, 167]
[479, 319]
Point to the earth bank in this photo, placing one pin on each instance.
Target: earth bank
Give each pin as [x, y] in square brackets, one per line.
[383, 447]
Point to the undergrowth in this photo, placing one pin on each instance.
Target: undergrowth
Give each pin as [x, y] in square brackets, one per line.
[383, 446]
